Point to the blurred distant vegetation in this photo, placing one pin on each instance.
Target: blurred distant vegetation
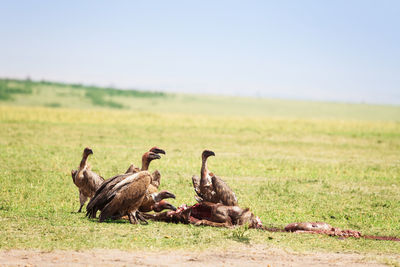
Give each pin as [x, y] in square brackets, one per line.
[98, 96]
[77, 96]
[8, 89]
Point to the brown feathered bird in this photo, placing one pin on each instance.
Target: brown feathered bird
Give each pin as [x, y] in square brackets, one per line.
[126, 197]
[99, 199]
[150, 202]
[211, 188]
[85, 179]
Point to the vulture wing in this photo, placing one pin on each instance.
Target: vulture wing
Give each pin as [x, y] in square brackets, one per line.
[196, 186]
[148, 200]
[156, 178]
[94, 180]
[98, 201]
[73, 174]
[132, 169]
[126, 196]
[225, 195]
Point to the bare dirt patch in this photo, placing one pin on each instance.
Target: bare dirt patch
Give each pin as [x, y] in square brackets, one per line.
[239, 256]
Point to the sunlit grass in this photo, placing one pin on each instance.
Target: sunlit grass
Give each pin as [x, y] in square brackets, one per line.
[344, 172]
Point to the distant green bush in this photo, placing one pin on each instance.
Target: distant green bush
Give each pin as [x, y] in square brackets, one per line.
[109, 91]
[94, 93]
[97, 98]
[126, 93]
[6, 91]
[4, 95]
[53, 105]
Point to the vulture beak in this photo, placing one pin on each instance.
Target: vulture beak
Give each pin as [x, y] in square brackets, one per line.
[157, 150]
[152, 155]
[207, 153]
[162, 195]
[169, 195]
[163, 205]
[156, 156]
[170, 207]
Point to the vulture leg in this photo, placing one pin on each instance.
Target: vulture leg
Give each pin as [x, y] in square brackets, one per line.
[140, 217]
[132, 218]
[82, 200]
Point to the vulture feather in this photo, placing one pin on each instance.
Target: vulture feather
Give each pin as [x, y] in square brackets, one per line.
[100, 198]
[126, 196]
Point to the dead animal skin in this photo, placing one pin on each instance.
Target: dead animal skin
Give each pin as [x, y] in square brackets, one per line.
[218, 215]
[327, 229]
[209, 214]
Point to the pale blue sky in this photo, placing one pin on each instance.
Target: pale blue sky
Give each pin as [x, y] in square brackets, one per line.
[319, 50]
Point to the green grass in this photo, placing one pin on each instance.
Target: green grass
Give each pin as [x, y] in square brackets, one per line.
[284, 168]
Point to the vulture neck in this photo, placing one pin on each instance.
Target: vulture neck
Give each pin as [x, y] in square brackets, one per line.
[83, 163]
[204, 172]
[145, 163]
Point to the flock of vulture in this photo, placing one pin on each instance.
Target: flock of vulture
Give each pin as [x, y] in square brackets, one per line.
[134, 194]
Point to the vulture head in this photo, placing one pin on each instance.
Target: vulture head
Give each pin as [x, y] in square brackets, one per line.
[149, 156]
[87, 151]
[157, 150]
[162, 195]
[163, 205]
[207, 153]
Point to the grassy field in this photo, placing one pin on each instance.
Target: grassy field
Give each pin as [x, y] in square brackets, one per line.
[287, 161]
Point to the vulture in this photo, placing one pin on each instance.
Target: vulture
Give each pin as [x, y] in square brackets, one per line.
[211, 188]
[126, 197]
[85, 179]
[151, 199]
[99, 199]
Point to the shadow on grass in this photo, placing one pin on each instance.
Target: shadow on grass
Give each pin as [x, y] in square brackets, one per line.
[118, 221]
